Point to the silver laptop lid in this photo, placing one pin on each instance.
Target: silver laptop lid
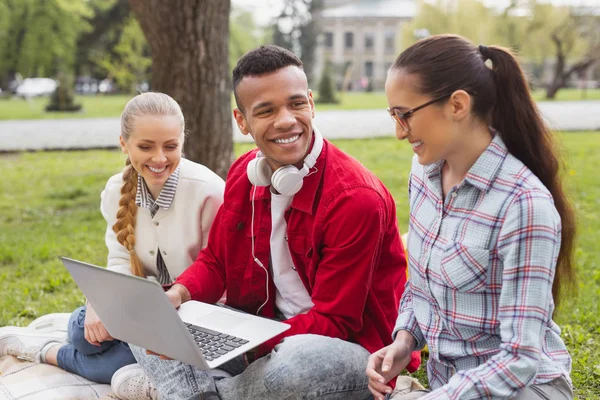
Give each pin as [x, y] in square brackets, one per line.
[116, 299]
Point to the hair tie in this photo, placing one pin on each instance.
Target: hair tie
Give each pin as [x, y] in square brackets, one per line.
[485, 52]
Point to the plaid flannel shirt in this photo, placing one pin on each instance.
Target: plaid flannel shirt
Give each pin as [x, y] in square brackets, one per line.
[482, 262]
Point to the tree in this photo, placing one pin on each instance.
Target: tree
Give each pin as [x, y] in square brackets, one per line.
[40, 37]
[326, 86]
[108, 23]
[453, 16]
[243, 35]
[536, 31]
[296, 29]
[570, 35]
[130, 60]
[189, 44]
[62, 99]
[308, 38]
[573, 34]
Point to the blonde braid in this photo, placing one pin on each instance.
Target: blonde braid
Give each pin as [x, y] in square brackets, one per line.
[126, 217]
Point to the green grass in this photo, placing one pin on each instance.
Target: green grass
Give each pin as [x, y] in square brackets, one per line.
[49, 207]
[111, 106]
[355, 101]
[568, 95]
[93, 107]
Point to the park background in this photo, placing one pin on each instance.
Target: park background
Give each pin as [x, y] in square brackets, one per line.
[97, 54]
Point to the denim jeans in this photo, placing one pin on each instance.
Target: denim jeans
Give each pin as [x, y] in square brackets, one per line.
[300, 367]
[96, 363]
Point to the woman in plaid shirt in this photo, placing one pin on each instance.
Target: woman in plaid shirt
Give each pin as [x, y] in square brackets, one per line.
[491, 230]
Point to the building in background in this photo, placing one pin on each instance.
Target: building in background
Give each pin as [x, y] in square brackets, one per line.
[360, 38]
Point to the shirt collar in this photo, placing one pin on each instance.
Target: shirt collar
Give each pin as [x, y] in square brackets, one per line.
[305, 199]
[143, 197]
[482, 174]
[433, 169]
[484, 171]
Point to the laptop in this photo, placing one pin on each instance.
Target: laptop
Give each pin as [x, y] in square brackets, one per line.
[137, 311]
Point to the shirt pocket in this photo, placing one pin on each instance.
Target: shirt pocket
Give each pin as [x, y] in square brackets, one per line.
[238, 236]
[301, 252]
[465, 269]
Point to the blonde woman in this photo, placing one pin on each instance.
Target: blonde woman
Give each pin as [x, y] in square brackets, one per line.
[158, 211]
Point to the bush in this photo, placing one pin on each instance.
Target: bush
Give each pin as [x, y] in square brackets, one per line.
[326, 87]
[63, 99]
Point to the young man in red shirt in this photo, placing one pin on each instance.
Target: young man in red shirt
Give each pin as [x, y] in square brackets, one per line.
[306, 234]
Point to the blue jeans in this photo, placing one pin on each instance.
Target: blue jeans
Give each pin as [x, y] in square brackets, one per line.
[96, 363]
[300, 367]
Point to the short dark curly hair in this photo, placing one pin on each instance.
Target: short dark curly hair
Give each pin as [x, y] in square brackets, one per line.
[260, 61]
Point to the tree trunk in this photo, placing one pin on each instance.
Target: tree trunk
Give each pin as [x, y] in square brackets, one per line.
[561, 73]
[553, 89]
[559, 79]
[189, 42]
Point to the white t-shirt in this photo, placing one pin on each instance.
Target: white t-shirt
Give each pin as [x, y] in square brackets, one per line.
[291, 297]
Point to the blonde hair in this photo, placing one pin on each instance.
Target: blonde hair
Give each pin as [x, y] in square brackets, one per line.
[155, 104]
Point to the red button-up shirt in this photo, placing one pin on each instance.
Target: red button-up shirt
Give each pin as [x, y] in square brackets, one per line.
[343, 238]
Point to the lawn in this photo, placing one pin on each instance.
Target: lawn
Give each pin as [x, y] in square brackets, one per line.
[93, 107]
[111, 106]
[49, 207]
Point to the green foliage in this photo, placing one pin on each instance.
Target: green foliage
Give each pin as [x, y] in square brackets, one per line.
[49, 208]
[4, 21]
[468, 18]
[35, 36]
[524, 26]
[537, 31]
[131, 61]
[536, 37]
[108, 21]
[244, 35]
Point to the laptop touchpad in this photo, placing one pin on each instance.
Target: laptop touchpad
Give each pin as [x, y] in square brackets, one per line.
[220, 320]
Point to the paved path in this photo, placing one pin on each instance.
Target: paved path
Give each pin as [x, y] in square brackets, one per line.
[104, 132]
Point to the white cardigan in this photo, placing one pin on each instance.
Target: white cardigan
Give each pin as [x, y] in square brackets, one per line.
[179, 232]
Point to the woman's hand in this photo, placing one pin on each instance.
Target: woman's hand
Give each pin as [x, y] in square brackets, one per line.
[94, 331]
[387, 363]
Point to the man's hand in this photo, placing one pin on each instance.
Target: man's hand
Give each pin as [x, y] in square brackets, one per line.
[387, 363]
[94, 331]
[178, 294]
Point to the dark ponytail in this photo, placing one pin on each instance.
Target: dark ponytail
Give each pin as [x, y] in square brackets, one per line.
[526, 136]
[446, 63]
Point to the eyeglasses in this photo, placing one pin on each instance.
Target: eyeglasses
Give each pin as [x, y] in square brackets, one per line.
[401, 118]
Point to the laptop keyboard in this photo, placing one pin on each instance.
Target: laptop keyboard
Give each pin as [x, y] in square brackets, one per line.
[212, 343]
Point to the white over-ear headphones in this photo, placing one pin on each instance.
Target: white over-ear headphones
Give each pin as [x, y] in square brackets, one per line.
[287, 180]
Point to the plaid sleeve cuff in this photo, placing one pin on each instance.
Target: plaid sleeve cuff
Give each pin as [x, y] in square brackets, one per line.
[407, 322]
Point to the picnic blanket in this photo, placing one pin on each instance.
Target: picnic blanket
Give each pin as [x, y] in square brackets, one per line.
[23, 380]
